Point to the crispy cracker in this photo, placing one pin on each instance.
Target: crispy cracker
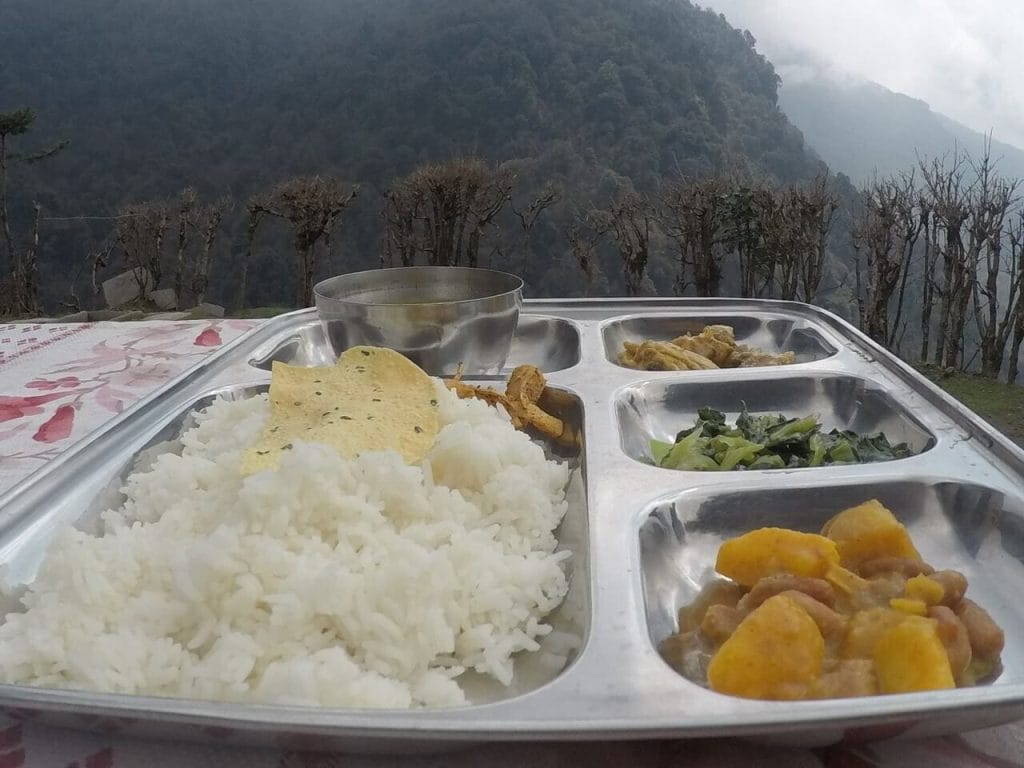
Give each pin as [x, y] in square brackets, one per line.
[373, 399]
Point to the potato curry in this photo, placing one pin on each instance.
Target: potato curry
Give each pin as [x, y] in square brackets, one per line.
[852, 611]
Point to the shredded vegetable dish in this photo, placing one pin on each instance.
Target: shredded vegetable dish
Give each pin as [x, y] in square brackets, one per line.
[714, 347]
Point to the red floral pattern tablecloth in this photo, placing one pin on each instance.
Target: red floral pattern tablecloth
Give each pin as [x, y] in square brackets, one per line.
[59, 382]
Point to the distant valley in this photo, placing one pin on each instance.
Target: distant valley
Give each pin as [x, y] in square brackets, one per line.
[859, 128]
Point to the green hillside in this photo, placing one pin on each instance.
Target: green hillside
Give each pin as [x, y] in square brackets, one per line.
[234, 96]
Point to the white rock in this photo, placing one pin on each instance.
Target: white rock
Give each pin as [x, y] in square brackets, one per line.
[206, 309]
[128, 286]
[165, 299]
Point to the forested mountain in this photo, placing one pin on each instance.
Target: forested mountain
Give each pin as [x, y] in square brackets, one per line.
[234, 96]
[859, 128]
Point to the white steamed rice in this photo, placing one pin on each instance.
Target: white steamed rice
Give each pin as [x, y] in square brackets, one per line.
[356, 583]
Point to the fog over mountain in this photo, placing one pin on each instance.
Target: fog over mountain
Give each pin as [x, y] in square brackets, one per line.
[961, 56]
[859, 127]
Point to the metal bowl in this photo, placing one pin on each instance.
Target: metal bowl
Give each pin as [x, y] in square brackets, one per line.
[439, 317]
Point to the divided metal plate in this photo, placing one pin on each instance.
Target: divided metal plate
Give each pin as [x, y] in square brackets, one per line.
[644, 538]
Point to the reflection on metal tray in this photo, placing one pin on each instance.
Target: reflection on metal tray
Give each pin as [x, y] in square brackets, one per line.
[644, 538]
[550, 343]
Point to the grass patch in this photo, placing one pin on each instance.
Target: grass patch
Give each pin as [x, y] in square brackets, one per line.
[1002, 405]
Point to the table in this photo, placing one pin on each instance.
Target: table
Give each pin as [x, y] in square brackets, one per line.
[58, 382]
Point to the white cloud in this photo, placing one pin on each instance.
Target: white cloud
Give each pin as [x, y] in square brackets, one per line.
[964, 57]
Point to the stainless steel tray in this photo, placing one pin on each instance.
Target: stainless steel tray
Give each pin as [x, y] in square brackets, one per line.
[644, 538]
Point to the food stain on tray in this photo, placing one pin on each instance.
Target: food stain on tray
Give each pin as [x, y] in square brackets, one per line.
[852, 611]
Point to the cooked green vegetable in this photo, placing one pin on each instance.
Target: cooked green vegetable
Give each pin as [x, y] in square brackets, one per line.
[768, 442]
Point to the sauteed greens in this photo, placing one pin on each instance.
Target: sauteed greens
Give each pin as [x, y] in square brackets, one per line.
[769, 442]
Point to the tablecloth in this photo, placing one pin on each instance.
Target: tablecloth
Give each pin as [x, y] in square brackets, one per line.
[58, 382]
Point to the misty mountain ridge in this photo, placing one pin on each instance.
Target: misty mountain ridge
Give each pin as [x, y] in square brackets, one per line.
[860, 127]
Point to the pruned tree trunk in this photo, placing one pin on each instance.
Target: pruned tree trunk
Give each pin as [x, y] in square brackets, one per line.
[441, 213]
[256, 208]
[208, 219]
[886, 231]
[313, 207]
[29, 293]
[23, 296]
[140, 233]
[583, 237]
[521, 253]
[5, 224]
[928, 264]
[628, 219]
[692, 214]
[185, 223]
[1015, 318]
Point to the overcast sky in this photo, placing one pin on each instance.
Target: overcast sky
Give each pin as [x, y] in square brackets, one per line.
[964, 57]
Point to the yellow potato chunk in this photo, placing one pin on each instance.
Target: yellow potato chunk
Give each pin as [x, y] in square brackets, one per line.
[775, 653]
[770, 551]
[866, 532]
[844, 580]
[926, 590]
[865, 629]
[911, 657]
[909, 605]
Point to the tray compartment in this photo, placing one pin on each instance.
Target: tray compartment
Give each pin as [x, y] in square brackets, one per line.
[550, 343]
[656, 552]
[955, 525]
[771, 333]
[659, 409]
[24, 545]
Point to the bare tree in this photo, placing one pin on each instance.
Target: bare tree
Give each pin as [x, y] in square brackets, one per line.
[140, 232]
[312, 206]
[776, 245]
[583, 236]
[208, 220]
[186, 222]
[948, 189]
[521, 251]
[966, 208]
[257, 209]
[26, 275]
[743, 234]
[442, 212]
[992, 201]
[929, 265]
[1015, 243]
[629, 219]
[21, 262]
[691, 214]
[886, 232]
[100, 258]
[816, 207]
[402, 219]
